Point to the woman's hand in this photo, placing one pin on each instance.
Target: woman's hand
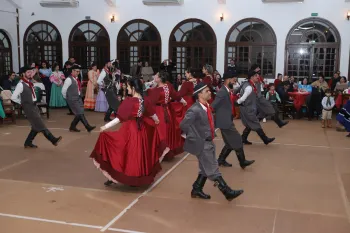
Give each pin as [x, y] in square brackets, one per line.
[103, 128]
[156, 122]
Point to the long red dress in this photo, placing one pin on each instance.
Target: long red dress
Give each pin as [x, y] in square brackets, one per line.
[127, 155]
[162, 96]
[210, 81]
[186, 92]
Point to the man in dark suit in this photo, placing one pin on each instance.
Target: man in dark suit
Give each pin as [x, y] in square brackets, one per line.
[198, 125]
[223, 105]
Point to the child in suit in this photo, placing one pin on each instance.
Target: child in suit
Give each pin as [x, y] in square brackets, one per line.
[327, 105]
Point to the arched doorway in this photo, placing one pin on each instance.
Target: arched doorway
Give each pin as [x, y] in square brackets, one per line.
[89, 42]
[42, 42]
[251, 41]
[192, 44]
[312, 47]
[139, 39]
[5, 54]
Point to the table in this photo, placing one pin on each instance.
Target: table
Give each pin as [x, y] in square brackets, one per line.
[299, 98]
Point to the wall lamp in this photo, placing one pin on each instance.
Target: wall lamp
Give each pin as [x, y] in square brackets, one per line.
[222, 16]
[112, 19]
[348, 15]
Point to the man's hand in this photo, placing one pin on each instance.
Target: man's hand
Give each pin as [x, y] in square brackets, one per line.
[237, 104]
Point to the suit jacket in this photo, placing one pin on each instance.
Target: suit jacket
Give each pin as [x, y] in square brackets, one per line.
[196, 127]
[222, 106]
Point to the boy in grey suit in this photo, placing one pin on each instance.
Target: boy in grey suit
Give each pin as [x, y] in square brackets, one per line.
[198, 125]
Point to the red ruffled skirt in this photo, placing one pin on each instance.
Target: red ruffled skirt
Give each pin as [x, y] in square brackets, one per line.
[176, 142]
[128, 155]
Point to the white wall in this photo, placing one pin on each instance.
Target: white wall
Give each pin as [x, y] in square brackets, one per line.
[281, 17]
[8, 24]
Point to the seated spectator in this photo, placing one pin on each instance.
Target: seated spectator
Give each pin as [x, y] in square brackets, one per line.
[305, 87]
[320, 84]
[341, 85]
[10, 83]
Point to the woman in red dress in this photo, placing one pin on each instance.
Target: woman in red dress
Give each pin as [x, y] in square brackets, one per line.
[127, 156]
[161, 95]
[187, 87]
[209, 80]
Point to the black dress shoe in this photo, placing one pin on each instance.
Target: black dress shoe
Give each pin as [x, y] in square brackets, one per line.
[30, 146]
[224, 163]
[74, 130]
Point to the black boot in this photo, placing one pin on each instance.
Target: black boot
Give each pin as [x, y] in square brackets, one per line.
[51, 138]
[197, 190]
[245, 135]
[88, 127]
[29, 141]
[263, 136]
[226, 190]
[108, 115]
[241, 158]
[279, 122]
[223, 155]
[73, 125]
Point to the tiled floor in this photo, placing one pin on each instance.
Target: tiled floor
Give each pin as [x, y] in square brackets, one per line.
[299, 184]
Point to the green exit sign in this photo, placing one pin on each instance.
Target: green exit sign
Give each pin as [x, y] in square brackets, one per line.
[314, 14]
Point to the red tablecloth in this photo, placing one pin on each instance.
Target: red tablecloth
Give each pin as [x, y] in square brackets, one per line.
[299, 98]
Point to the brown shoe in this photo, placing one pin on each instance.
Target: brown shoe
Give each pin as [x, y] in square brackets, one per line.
[323, 123]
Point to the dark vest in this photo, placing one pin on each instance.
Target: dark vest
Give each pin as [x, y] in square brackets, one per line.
[26, 95]
[72, 91]
[272, 98]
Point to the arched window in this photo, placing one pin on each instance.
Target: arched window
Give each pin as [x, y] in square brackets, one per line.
[251, 41]
[139, 39]
[89, 42]
[312, 47]
[42, 42]
[192, 44]
[5, 54]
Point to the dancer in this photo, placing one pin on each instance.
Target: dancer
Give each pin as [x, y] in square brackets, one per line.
[57, 78]
[92, 87]
[187, 87]
[24, 95]
[248, 108]
[343, 117]
[198, 126]
[209, 80]
[161, 96]
[71, 91]
[106, 79]
[223, 105]
[265, 107]
[127, 156]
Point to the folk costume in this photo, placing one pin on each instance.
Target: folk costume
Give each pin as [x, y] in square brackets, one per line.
[223, 105]
[24, 94]
[128, 155]
[248, 109]
[71, 91]
[198, 125]
[107, 80]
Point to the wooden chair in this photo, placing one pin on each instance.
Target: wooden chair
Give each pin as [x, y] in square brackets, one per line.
[10, 113]
[42, 105]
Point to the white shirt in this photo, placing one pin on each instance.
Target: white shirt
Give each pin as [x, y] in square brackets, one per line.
[67, 84]
[205, 108]
[324, 103]
[247, 92]
[101, 77]
[16, 95]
